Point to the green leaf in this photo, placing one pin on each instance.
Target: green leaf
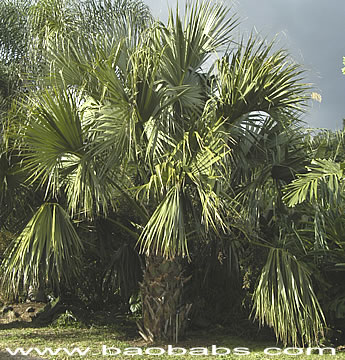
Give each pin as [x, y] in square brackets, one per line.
[323, 178]
[284, 299]
[48, 251]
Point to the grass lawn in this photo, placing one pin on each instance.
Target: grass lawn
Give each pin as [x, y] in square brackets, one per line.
[14, 335]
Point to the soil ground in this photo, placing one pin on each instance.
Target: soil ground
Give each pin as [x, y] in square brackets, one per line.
[20, 314]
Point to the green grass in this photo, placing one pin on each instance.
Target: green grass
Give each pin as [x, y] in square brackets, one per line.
[13, 336]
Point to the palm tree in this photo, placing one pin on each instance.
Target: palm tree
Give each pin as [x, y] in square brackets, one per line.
[133, 113]
[37, 25]
[318, 193]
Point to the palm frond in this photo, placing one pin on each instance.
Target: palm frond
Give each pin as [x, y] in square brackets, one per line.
[88, 192]
[165, 232]
[188, 42]
[206, 27]
[13, 31]
[50, 17]
[321, 182]
[284, 299]
[114, 18]
[54, 130]
[48, 250]
[251, 79]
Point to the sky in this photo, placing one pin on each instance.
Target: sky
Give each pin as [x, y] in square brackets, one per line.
[312, 32]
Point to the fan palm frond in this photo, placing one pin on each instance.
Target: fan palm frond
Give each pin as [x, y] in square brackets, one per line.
[252, 79]
[48, 250]
[285, 300]
[54, 130]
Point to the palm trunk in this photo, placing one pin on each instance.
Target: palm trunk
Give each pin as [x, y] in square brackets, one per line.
[164, 315]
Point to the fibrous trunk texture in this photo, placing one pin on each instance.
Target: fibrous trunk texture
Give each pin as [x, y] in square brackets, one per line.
[165, 316]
